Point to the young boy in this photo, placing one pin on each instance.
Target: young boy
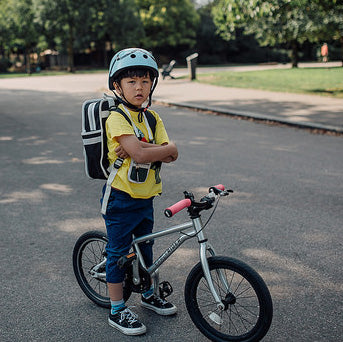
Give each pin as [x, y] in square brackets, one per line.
[133, 76]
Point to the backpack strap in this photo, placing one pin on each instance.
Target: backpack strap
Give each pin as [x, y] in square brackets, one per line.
[114, 169]
[118, 110]
[149, 120]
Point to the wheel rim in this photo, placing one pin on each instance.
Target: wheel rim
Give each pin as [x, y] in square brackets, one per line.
[91, 254]
[241, 306]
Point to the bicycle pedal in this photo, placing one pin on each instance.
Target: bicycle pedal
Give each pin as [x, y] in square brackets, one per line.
[165, 289]
[126, 260]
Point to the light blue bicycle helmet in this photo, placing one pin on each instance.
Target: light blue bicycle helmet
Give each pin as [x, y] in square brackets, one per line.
[128, 58]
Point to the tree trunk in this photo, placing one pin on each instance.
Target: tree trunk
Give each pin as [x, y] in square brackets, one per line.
[105, 55]
[71, 49]
[294, 45]
[27, 61]
[341, 40]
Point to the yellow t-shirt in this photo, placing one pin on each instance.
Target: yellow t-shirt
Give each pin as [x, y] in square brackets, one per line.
[117, 125]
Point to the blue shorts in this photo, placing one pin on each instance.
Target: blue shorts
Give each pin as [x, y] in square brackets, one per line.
[126, 216]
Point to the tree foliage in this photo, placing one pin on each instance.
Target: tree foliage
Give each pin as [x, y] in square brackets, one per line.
[63, 23]
[275, 22]
[18, 26]
[168, 23]
[70, 26]
[164, 26]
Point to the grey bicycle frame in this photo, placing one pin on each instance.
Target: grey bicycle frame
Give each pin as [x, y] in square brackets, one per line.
[196, 227]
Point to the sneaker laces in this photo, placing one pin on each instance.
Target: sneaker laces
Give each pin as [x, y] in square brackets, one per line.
[129, 315]
[159, 299]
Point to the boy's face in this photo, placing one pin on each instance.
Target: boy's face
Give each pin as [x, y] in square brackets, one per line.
[135, 89]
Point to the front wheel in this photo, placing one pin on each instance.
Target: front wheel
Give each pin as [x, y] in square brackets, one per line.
[247, 305]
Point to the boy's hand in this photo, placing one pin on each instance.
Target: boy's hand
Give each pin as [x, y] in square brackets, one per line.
[173, 153]
[167, 160]
[121, 153]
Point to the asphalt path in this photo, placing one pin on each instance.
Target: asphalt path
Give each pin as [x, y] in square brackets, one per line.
[284, 218]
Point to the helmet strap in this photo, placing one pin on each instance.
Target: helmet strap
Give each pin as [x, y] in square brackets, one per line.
[123, 100]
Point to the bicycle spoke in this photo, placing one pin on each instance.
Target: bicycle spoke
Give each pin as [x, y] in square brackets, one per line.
[244, 319]
[92, 255]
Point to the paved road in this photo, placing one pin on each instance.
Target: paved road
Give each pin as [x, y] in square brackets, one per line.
[285, 218]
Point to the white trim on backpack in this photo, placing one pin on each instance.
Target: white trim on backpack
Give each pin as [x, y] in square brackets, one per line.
[92, 141]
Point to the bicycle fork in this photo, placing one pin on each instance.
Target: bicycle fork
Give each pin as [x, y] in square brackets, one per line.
[204, 246]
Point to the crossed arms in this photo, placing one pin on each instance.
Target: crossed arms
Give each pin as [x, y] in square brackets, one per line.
[143, 152]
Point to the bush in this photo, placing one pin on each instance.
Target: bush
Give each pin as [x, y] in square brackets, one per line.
[5, 64]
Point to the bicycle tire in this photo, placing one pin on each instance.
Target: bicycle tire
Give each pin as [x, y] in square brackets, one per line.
[248, 309]
[88, 252]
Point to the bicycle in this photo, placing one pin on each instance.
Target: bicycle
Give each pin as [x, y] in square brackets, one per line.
[226, 299]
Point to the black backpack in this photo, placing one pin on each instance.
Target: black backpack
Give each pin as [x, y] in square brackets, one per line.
[94, 115]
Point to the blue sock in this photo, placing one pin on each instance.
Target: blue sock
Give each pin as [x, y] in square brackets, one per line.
[117, 305]
[148, 293]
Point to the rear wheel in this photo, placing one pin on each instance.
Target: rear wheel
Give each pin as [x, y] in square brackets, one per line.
[89, 263]
[248, 308]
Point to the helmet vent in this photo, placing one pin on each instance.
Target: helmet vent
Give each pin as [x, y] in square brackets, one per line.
[145, 56]
[133, 55]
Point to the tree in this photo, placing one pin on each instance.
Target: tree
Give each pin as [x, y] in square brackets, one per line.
[63, 22]
[168, 23]
[116, 22]
[5, 31]
[272, 22]
[211, 47]
[21, 27]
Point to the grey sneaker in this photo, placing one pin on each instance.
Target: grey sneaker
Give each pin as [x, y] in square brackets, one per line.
[159, 305]
[126, 322]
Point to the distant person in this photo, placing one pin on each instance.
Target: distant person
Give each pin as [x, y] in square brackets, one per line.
[324, 52]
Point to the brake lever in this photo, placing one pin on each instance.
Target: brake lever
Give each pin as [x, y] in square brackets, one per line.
[225, 192]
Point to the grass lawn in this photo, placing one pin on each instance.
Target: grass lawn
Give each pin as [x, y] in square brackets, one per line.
[315, 81]
[51, 73]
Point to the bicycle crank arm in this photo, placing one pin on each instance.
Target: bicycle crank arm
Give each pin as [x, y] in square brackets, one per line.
[97, 275]
[94, 271]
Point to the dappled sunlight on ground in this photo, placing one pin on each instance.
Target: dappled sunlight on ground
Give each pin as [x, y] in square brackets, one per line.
[80, 225]
[316, 237]
[4, 138]
[182, 257]
[41, 160]
[200, 191]
[291, 271]
[298, 118]
[33, 141]
[197, 142]
[34, 196]
[178, 266]
[60, 188]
